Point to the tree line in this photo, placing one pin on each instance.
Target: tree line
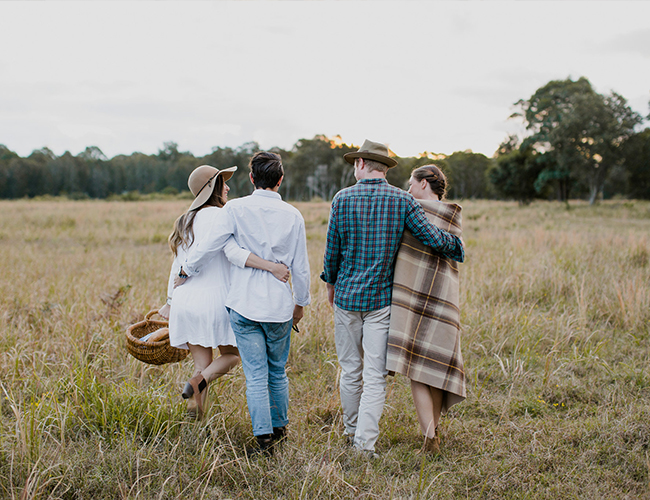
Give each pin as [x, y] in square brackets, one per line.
[314, 168]
[579, 144]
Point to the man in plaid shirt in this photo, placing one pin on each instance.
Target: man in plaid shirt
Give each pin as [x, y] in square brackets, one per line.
[363, 236]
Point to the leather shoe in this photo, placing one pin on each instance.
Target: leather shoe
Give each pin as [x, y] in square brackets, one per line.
[432, 445]
[265, 443]
[194, 387]
[279, 434]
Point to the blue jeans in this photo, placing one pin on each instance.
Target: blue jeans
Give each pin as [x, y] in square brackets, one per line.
[264, 350]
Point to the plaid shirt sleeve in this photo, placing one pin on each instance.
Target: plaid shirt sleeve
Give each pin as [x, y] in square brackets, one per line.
[332, 257]
[446, 244]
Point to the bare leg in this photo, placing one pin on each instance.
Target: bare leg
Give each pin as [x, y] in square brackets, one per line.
[202, 357]
[213, 369]
[227, 360]
[428, 405]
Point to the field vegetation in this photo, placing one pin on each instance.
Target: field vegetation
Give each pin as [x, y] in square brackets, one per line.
[556, 317]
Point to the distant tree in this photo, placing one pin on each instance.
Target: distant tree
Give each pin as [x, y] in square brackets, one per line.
[175, 174]
[174, 167]
[516, 171]
[93, 153]
[31, 176]
[313, 168]
[636, 152]
[70, 175]
[316, 168]
[580, 130]
[468, 175]
[169, 152]
[6, 155]
[137, 172]
[100, 178]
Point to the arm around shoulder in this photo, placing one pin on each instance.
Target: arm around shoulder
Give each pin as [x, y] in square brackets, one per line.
[441, 241]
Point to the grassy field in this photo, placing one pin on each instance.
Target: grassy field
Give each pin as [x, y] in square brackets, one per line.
[556, 317]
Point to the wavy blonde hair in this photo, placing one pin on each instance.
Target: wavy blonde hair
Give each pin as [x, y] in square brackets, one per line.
[183, 233]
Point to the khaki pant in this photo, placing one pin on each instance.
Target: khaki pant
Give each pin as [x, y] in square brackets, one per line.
[361, 339]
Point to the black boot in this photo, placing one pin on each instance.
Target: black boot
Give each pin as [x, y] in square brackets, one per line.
[279, 434]
[265, 444]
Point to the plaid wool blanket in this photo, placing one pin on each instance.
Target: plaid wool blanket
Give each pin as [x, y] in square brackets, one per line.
[424, 335]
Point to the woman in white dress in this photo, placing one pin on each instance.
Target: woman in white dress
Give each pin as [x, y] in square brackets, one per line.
[198, 319]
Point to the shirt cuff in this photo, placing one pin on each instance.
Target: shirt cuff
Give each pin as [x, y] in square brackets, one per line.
[189, 270]
[303, 303]
[239, 257]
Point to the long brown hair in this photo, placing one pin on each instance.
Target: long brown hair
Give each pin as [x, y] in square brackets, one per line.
[434, 177]
[183, 233]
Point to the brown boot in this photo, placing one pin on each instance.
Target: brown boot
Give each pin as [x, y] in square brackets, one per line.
[432, 445]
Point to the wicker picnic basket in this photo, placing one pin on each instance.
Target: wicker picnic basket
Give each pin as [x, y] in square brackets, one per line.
[154, 353]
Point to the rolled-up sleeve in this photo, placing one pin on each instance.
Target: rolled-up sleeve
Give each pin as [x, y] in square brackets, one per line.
[221, 228]
[235, 254]
[300, 274]
[444, 243]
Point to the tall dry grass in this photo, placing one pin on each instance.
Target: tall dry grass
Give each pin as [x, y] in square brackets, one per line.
[556, 316]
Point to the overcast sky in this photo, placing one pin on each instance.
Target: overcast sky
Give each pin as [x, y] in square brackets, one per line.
[420, 76]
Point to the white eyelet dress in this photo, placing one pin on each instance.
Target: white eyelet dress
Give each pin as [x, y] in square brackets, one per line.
[198, 313]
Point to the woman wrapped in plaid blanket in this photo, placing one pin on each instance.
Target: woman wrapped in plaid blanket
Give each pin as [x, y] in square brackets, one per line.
[424, 334]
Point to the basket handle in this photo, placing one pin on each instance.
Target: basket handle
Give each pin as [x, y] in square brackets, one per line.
[150, 313]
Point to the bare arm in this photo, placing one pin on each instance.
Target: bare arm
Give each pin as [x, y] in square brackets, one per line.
[298, 313]
[279, 270]
[241, 257]
[330, 294]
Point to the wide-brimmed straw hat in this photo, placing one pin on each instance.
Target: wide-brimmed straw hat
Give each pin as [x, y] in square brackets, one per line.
[371, 151]
[202, 181]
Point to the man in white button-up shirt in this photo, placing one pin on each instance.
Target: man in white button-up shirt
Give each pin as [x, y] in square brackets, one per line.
[262, 309]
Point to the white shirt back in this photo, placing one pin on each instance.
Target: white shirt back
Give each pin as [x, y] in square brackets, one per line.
[273, 230]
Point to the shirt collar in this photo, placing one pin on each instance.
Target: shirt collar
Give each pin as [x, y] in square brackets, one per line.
[372, 181]
[267, 194]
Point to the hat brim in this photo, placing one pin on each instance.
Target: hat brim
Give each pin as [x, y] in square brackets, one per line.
[226, 173]
[350, 157]
[205, 194]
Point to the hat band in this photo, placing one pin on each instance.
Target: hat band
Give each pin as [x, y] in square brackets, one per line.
[209, 180]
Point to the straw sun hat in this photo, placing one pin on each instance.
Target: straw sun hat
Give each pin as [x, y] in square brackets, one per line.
[370, 150]
[202, 181]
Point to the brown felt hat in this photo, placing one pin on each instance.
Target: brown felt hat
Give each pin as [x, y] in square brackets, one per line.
[371, 151]
[202, 181]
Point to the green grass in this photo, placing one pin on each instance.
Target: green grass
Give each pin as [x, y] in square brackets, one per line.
[556, 320]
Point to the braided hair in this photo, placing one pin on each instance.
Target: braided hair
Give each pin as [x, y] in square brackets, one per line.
[434, 176]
